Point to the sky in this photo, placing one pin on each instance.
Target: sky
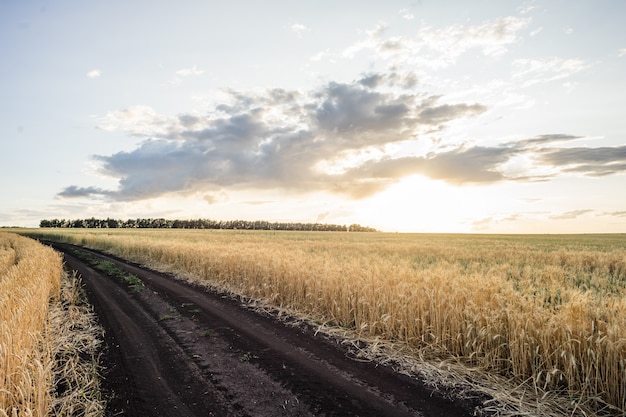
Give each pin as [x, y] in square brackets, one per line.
[405, 116]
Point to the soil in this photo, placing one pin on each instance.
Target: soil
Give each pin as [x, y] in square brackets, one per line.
[176, 349]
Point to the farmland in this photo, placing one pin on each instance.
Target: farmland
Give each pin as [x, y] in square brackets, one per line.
[30, 275]
[47, 334]
[545, 313]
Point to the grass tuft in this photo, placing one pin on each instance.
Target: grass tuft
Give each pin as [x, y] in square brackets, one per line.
[110, 269]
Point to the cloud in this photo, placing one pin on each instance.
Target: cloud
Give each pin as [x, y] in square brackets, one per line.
[527, 8]
[275, 138]
[258, 202]
[406, 14]
[534, 71]
[214, 198]
[299, 29]
[486, 164]
[322, 216]
[440, 47]
[337, 137]
[136, 120]
[371, 115]
[94, 73]
[622, 52]
[588, 161]
[616, 214]
[458, 166]
[483, 224]
[73, 192]
[492, 37]
[543, 140]
[513, 217]
[186, 72]
[569, 215]
[326, 53]
[436, 115]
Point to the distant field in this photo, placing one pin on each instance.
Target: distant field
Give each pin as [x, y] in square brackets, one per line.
[545, 310]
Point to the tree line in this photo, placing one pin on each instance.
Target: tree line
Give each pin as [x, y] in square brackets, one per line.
[108, 223]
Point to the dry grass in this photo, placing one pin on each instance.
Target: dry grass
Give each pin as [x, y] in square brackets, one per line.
[75, 338]
[29, 276]
[546, 315]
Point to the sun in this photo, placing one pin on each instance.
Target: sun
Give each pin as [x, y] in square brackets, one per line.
[420, 204]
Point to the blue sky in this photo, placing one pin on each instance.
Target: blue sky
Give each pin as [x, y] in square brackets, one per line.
[423, 116]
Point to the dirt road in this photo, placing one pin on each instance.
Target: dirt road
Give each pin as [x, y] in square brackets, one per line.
[174, 349]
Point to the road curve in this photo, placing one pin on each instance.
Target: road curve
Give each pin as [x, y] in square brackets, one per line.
[177, 349]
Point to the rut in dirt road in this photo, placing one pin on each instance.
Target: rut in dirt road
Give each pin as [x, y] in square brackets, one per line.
[179, 350]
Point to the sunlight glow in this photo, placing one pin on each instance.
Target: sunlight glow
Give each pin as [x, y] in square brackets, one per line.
[418, 204]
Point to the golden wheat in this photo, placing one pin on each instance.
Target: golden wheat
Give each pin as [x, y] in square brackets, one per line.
[550, 310]
[29, 275]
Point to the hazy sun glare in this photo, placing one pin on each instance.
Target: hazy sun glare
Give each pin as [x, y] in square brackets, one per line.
[419, 204]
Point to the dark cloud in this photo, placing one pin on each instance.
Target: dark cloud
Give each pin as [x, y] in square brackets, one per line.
[471, 165]
[189, 121]
[349, 109]
[372, 81]
[73, 191]
[536, 141]
[589, 161]
[480, 164]
[442, 114]
[597, 170]
[407, 80]
[604, 155]
[278, 139]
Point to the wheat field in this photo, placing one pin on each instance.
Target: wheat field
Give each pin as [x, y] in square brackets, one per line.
[30, 276]
[547, 312]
